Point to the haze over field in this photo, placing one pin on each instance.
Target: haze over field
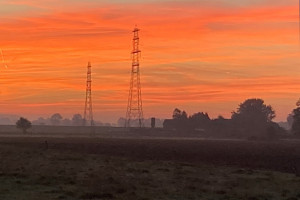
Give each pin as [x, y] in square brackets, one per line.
[196, 55]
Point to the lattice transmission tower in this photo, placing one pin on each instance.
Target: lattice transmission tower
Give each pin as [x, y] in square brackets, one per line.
[88, 109]
[135, 106]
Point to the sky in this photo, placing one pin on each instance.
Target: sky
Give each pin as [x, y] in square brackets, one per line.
[197, 55]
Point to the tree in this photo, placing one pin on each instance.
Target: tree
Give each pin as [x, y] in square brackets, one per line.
[290, 119]
[253, 116]
[178, 114]
[77, 120]
[296, 121]
[40, 121]
[199, 120]
[180, 120]
[255, 109]
[56, 119]
[23, 124]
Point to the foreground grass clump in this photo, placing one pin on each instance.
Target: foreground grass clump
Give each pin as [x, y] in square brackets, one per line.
[33, 172]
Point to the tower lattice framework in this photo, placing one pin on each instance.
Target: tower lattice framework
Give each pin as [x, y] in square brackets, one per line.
[134, 106]
[88, 109]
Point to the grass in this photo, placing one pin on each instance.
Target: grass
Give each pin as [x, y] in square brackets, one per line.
[33, 172]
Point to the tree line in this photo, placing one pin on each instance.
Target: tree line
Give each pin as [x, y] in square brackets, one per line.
[252, 119]
[54, 120]
[58, 120]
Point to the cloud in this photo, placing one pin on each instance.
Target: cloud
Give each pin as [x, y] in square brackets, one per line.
[196, 54]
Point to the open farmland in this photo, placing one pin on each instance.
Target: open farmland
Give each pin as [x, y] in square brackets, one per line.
[147, 168]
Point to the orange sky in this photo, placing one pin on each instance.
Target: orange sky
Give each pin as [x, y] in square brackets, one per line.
[196, 55]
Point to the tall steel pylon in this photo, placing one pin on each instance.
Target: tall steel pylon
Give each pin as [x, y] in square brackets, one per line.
[134, 106]
[88, 110]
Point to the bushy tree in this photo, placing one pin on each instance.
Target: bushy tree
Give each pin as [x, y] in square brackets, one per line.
[56, 119]
[180, 120]
[178, 114]
[77, 120]
[255, 109]
[199, 120]
[23, 124]
[253, 117]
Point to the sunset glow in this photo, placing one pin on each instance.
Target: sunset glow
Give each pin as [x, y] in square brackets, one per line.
[206, 56]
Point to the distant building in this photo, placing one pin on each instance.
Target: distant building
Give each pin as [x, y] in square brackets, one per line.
[153, 122]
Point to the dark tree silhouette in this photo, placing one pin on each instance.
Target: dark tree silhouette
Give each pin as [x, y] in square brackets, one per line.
[180, 120]
[253, 117]
[77, 120]
[56, 119]
[255, 109]
[252, 120]
[296, 121]
[290, 119]
[178, 114]
[23, 124]
[199, 120]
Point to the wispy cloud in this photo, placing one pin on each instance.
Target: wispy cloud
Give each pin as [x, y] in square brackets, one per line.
[195, 54]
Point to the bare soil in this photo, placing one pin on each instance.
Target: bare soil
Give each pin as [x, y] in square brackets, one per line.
[147, 168]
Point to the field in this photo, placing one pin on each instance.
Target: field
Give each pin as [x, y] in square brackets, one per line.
[147, 168]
